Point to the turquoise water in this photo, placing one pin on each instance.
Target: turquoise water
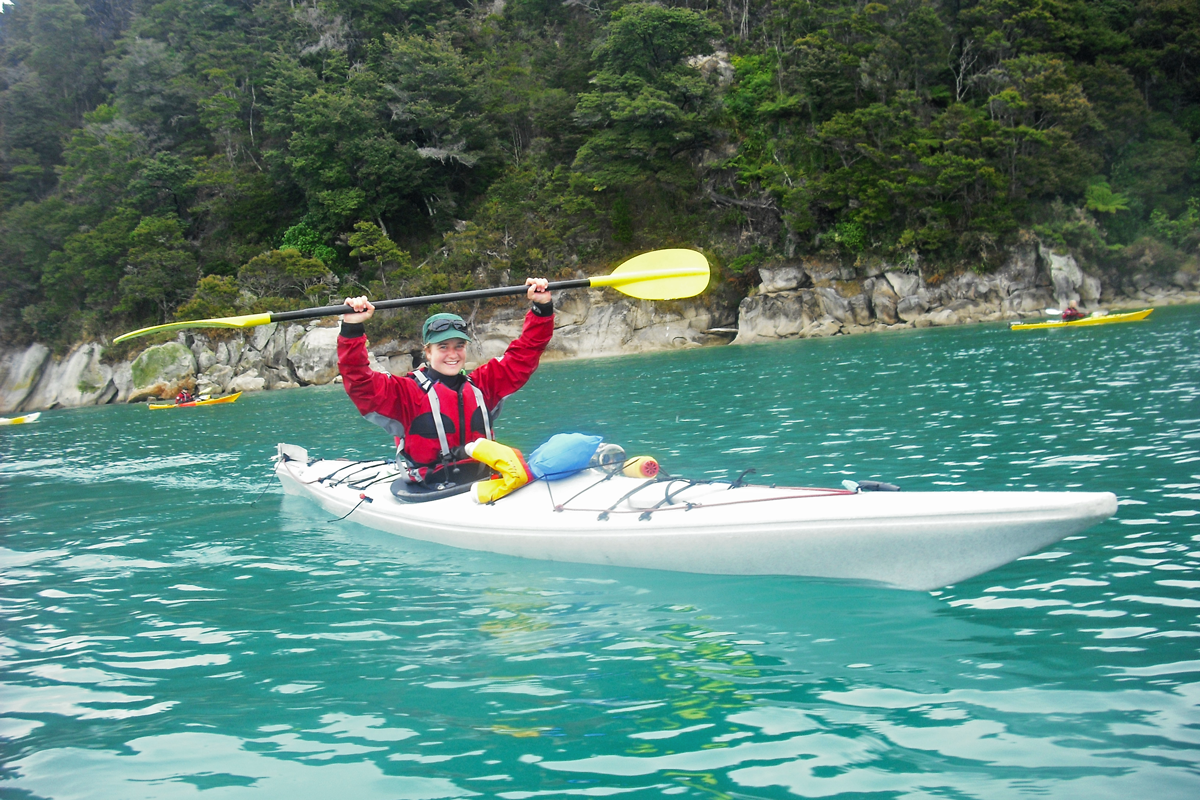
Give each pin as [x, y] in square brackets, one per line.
[173, 627]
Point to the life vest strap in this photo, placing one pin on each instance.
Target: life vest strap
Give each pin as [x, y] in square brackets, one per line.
[435, 406]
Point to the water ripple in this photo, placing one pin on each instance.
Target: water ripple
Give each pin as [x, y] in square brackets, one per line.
[167, 632]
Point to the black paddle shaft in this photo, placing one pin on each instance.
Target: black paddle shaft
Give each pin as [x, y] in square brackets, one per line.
[405, 302]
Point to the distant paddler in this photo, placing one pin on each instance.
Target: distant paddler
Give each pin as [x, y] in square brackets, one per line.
[1072, 312]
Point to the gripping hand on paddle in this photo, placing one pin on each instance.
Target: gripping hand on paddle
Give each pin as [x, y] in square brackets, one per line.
[362, 307]
[538, 291]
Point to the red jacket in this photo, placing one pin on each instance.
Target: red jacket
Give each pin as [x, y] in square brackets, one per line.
[388, 400]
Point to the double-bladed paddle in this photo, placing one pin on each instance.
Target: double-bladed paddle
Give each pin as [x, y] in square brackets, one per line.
[657, 275]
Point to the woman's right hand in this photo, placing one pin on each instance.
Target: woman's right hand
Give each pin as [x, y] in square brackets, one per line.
[362, 307]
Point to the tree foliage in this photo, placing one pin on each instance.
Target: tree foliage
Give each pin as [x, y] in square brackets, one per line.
[184, 157]
[286, 273]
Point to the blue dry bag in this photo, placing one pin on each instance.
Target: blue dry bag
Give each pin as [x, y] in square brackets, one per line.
[562, 454]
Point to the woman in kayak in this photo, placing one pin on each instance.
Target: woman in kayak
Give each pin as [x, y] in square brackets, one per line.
[429, 409]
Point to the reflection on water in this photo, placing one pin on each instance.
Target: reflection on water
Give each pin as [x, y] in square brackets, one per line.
[170, 630]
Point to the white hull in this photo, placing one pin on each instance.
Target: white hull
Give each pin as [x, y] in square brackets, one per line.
[20, 420]
[911, 540]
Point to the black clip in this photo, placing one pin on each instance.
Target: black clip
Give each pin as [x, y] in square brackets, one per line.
[738, 482]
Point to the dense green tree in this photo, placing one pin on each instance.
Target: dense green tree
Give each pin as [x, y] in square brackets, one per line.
[100, 160]
[1040, 112]
[286, 273]
[151, 151]
[401, 143]
[648, 108]
[52, 52]
[1164, 54]
[160, 269]
[147, 89]
[30, 234]
[85, 273]
[215, 296]
[380, 257]
[303, 238]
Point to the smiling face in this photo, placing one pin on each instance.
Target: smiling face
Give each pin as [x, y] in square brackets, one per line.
[448, 357]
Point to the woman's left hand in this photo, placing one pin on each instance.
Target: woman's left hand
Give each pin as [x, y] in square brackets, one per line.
[538, 290]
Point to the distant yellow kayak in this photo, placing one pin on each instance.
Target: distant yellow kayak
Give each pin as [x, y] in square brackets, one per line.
[1131, 316]
[20, 420]
[229, 398]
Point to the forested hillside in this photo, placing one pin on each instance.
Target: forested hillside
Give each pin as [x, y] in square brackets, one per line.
[211, 157]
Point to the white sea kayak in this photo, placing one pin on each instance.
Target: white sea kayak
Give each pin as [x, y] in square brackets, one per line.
[910, 540]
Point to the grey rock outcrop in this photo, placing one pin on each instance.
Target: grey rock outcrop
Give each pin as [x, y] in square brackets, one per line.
[396, 358]
[782, 315]
[122, 378]
[1066, 277]
[783, 279]
[215, 380]
[846, 300]
[32, 380]
[20, 371]
[313, 355]
[883, 300]
[587, 325]
[248, 381]
[161, 371]
[80, 379]
[716, 67]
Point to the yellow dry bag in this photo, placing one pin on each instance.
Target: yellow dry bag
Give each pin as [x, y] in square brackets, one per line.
[508, 463]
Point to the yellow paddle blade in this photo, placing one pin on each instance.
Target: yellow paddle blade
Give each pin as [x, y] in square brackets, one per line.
[660, 275]
[245, 321]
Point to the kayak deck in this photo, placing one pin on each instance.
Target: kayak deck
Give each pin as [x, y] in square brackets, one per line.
[1130, 316]
[912, 540]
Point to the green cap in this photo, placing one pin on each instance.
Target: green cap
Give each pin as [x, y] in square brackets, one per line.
[441, 327]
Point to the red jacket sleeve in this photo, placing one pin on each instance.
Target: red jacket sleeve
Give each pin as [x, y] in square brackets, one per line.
[501, 376]
[371, 391]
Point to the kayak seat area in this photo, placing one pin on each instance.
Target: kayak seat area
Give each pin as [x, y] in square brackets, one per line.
[407, 492]
[440, 483]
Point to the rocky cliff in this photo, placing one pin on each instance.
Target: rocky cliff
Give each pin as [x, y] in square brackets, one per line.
[806, 298]
[820, 297]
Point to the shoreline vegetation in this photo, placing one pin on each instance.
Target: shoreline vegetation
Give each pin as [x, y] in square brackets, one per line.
[843, 165]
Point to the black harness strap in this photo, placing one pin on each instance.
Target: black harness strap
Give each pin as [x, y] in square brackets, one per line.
[604, 514]
[369, 464]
